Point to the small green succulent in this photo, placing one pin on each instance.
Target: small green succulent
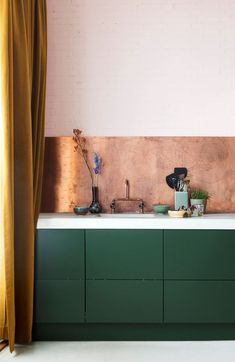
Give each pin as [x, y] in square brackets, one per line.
[199, 194]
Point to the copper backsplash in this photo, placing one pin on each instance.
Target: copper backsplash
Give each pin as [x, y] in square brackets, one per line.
[145, 162]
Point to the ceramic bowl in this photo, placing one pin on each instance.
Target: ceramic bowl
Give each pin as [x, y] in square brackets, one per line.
[179, 213]
[81, 210]
[160, 209]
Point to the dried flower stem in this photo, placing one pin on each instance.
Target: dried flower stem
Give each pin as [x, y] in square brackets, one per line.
[80, 148]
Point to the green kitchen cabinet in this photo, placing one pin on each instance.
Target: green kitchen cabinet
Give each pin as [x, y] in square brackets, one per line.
[59, 301]
[124, 254]
[199, 254]
[59, 254]
[124, 301]
[102, 283]
[59, 276]
[199, 301]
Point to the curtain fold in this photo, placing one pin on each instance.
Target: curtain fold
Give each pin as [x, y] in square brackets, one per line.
[7, 295]
[23, 59]
[38, 101]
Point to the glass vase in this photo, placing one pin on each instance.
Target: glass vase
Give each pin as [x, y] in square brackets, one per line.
[95, 207]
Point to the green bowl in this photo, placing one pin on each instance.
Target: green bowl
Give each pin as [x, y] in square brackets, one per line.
[161, 209]
[81, 210]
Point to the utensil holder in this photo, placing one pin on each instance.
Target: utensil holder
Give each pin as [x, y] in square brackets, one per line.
[181, 199]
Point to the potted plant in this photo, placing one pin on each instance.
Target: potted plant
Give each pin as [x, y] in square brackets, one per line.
[199, 197]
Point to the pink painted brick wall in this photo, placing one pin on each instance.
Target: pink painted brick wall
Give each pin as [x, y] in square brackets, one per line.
[141, 67]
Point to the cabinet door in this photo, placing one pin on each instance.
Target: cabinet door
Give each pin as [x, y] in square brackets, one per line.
[124, 301]
[124, 254]
[199, 254]
[199, 301]
[59, 301]
[59, 254]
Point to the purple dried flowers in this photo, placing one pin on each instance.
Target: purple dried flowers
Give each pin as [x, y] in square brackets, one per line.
[97, 163]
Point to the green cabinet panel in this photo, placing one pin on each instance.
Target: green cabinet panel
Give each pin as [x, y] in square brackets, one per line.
[59, 254]
[59, 301]
[199, 254]
[199, 301]
[124, 254]
[124, 301]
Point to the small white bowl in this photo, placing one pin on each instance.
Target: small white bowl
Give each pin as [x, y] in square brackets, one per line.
[180, 213]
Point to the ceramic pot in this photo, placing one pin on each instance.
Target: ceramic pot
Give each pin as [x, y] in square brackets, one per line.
[199, 202]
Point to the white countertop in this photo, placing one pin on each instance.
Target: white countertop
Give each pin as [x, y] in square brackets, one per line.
[135, 221]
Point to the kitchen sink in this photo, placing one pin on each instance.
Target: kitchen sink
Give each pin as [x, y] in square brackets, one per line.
[128, 215]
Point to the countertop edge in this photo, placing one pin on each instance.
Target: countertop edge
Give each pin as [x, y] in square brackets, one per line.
[71, 221]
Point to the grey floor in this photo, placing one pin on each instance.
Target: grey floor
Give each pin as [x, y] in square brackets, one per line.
[123, 352]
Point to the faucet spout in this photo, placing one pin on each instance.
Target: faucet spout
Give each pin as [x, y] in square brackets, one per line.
[127, 188]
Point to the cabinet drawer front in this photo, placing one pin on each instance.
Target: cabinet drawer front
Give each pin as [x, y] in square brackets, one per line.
[124, 301]
[199, 301]
[59, 254]
[199, 254]
[59, 301]
[124, 254]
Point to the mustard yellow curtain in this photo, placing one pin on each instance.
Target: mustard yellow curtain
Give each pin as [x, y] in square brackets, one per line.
[22, 113]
